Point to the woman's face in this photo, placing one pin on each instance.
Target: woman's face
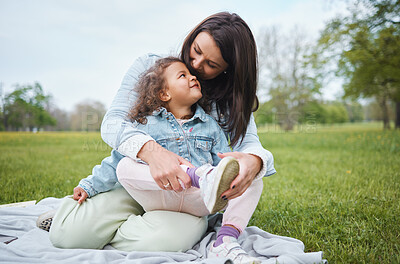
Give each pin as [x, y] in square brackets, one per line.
[206, 58]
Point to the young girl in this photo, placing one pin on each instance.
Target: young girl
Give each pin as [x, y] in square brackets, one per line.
[168, 111]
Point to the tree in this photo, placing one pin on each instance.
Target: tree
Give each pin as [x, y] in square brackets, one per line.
[62, 117]
[336, 113]
[355, 111]
[373, 112]
[87, 116]
[366, 45]
[24, 108]
[315, 112]
[286, 74]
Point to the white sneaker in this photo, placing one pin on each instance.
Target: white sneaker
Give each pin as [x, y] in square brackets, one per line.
[231, 249]
[216, 180]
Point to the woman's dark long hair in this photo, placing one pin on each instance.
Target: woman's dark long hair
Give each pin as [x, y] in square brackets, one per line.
[233, 92]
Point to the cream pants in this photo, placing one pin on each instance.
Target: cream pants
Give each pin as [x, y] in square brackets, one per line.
[115, 218]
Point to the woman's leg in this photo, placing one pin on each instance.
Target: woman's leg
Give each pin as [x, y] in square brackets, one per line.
[93, 223]
[240, 209]
[114, 217]
[160, 231]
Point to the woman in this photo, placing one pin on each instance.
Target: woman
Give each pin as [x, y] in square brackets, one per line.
[221, 51]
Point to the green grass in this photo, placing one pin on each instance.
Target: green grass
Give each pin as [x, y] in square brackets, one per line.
[337, 187]
[35, 166]
[337, 191]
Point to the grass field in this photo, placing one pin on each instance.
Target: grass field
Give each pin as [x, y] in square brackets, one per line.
[337, 188]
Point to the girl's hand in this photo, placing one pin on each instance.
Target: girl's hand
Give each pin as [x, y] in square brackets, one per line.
[165, 166]
[250, 165]
[80, 195]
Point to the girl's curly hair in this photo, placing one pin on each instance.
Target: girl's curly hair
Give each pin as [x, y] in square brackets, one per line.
[149, 87]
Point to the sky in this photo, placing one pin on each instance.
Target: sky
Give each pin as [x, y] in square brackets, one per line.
[79, 50]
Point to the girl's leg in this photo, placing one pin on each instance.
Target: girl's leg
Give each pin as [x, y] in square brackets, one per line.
[240, 209]
[135, 176]
[235, 219]
[138, 182]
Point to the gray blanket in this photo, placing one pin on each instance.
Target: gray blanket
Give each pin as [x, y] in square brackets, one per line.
[33, 245]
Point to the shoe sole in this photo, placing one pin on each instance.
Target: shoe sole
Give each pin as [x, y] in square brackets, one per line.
[228, 169]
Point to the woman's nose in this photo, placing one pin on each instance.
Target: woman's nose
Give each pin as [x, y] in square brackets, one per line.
[196, 63]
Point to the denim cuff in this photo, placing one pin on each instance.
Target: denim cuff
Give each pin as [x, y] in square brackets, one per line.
[88, 188]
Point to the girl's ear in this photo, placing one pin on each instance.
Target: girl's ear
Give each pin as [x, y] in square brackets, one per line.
[165, 96]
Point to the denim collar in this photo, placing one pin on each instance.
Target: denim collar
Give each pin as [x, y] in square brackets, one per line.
[199, 113]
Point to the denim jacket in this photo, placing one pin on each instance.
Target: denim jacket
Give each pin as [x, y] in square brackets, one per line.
[116, 130]
[198, 140]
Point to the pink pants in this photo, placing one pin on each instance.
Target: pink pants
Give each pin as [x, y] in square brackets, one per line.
[138, 182]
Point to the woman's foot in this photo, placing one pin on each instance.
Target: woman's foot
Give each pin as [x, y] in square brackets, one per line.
[231, 249]
[44, 220]
[216, 180]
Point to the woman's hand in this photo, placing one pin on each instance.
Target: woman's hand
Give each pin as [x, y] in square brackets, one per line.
[165, 166]
[80, 195]
[250, 165]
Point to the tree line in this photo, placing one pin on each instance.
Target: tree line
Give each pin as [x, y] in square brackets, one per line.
[29, 108]
[322, 112]
[362, 49]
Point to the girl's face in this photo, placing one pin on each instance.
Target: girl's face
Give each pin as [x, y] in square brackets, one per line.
[206, 58]
[183, 89]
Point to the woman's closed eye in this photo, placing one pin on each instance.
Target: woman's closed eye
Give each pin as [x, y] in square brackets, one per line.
[196, 50]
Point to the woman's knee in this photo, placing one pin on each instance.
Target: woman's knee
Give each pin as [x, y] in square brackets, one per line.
[185, 229]
[93, 223]
[68, 230]
[160, 231]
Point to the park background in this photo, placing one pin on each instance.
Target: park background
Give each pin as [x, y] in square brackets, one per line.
[329, 102]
